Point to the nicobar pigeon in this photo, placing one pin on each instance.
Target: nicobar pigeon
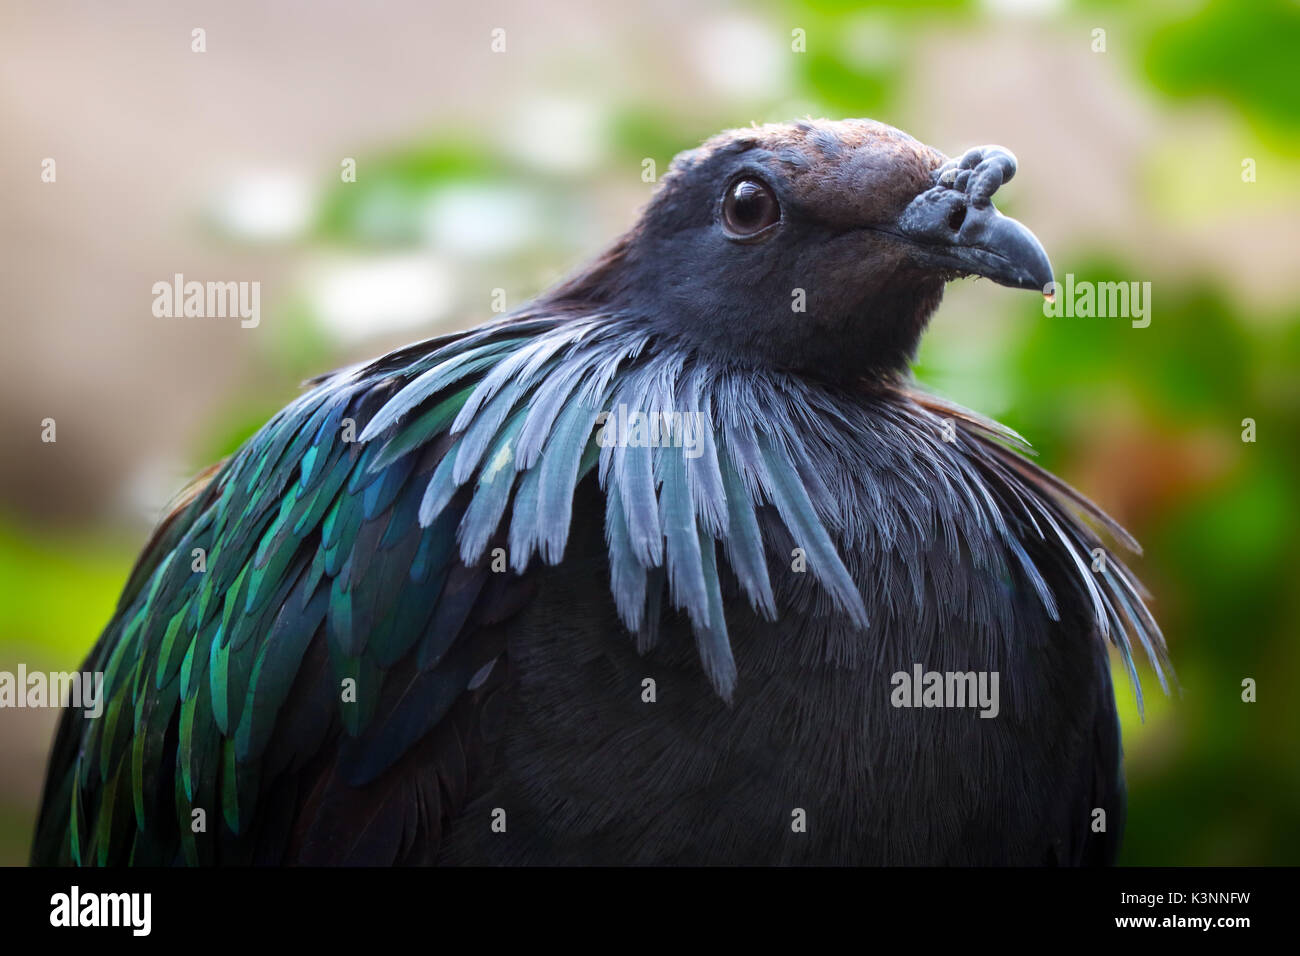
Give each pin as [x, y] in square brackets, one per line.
[497, 627]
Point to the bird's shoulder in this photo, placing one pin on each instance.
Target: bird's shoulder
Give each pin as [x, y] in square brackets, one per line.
[290, 621]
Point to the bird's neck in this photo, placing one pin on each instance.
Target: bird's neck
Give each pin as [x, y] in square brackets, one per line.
[874, 338]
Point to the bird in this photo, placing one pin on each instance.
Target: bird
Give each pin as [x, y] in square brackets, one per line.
[654, 570]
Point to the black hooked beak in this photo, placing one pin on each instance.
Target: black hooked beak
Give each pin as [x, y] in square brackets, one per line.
[958, 230]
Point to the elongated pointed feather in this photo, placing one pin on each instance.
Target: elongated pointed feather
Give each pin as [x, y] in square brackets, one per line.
[796, 510]
[627, 575]
[492, 492]
[686, 577]
[429, 383]
[712, 639]
[744, 543]
[559, 474]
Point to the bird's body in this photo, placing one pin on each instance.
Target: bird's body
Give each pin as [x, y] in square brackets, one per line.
[689, 779]
[444, 615]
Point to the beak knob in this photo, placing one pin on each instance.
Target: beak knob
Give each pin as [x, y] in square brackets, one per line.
[956, 225]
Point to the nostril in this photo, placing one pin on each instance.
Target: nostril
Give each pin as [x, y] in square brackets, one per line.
[957, 217]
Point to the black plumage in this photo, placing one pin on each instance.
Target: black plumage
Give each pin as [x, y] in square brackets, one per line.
[433, 643]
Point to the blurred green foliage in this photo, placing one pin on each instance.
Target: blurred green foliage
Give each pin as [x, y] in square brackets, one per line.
[1243, 51]
[382, 207]
[77, 576]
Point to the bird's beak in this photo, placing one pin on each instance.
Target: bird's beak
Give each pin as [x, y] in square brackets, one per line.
[957, 229]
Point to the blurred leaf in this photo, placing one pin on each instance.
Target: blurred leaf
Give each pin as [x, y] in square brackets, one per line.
[57, 593]
[385, 204]
[1243, 51]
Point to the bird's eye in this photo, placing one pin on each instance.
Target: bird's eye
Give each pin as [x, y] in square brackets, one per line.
[749, 208]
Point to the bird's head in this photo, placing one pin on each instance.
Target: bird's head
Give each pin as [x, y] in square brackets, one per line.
[818, 247]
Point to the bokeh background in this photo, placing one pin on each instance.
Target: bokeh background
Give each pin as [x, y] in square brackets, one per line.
[478, 170]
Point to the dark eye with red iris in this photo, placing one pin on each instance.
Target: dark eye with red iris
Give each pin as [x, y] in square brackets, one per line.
[749, 207]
